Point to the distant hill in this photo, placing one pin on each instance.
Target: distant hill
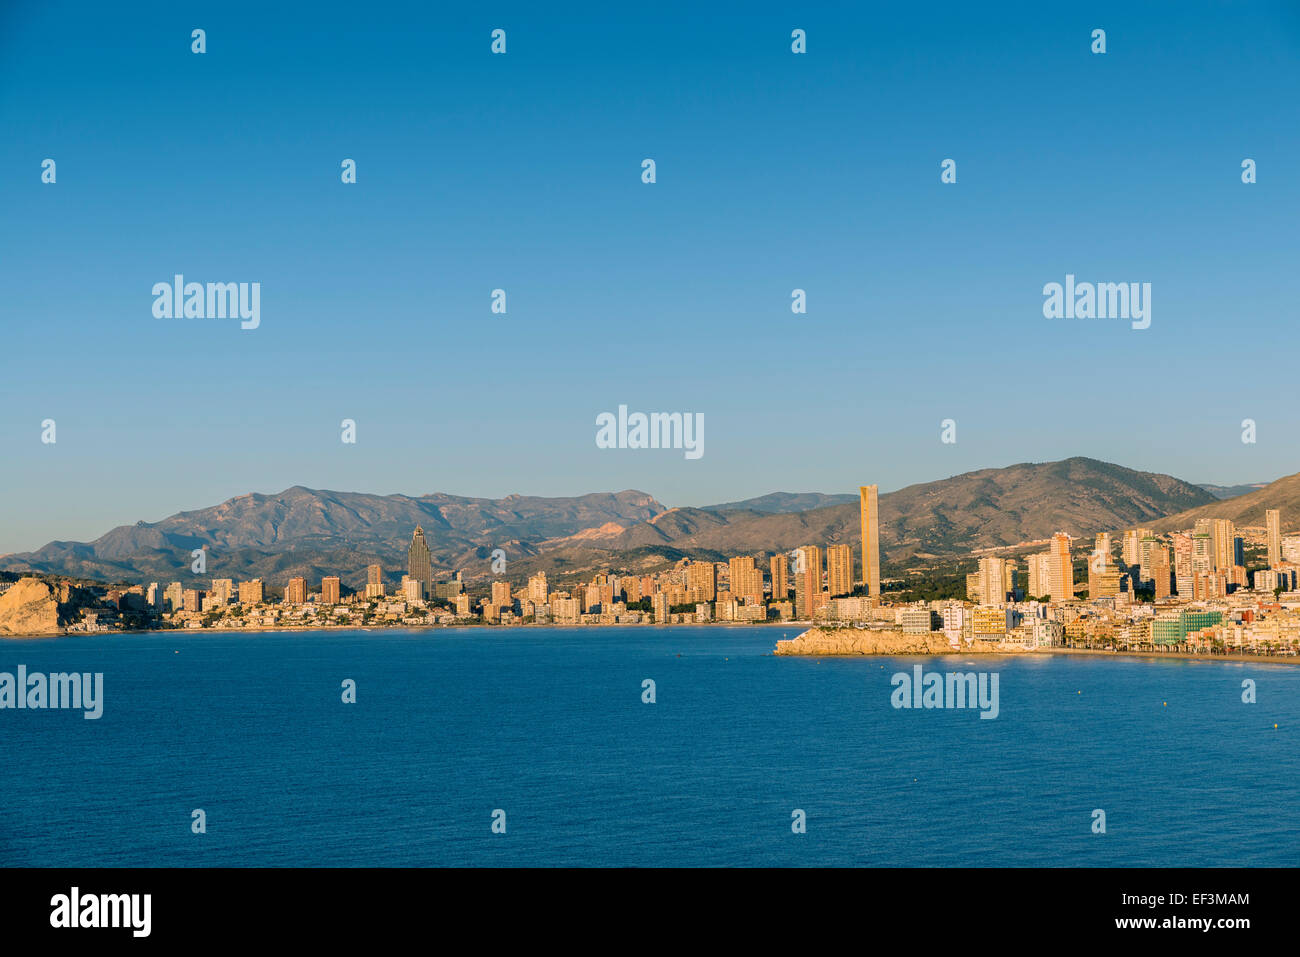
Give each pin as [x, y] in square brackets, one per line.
[1248, 509]
[779, 502]
[1232, 491]
[309, 532]
[989, 507]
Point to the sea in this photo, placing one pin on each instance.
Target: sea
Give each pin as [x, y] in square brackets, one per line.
[636, 746]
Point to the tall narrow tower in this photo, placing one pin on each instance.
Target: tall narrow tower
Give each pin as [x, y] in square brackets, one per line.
[418, 564]
[870, 538]
[1273, 519]
[1061, 572]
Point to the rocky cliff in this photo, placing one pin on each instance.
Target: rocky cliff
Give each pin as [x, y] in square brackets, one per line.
[29, 609]
[854, 641]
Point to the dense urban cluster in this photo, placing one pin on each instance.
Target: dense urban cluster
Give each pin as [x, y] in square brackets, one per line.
[1189, 591]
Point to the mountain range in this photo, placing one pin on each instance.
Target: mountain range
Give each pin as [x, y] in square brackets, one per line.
[310, 532]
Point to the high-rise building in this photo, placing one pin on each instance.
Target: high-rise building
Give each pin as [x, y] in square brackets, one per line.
[1224, 535]
[1273, 521]
[780, 570]
[1202, 552]
[1040, 575]
[329, 590]
[993, 585]
[839, 570]
[701, 579]
[296, 592]
[1061, 570]
[1158, 563]
[223, 589]
[1101, 552]
[869, 508]
[1146, 548]
[808, 580]
[418, 564]
[537, 588]
[1103, 583]
[501, 594]
[251, 592]
[1132, 542]
[746, 579]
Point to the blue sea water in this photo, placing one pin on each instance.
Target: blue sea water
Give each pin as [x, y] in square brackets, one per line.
[548, 725]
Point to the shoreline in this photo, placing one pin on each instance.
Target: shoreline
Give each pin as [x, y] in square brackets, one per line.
[1045, 652]
[987, 650]
[855, 643]
[118, 633]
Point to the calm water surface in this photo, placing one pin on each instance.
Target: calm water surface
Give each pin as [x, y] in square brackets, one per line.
[548, 725]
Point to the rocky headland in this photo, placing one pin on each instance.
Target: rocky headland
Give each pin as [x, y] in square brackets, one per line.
[29, 609]
[857, 641]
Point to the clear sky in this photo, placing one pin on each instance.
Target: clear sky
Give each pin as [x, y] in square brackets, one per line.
[523, 171]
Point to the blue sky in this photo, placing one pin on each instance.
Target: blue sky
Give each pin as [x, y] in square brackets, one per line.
[775, 171]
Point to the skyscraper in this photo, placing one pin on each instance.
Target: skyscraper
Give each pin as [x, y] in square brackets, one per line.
[1224, 533]
[1132, 552]
[993, 581]
[701, 579]
[418, 565]
[296, 593]
[780, 569]
[870, 513]
[1273, 520]
[1062, 568]
[839, 570]
[1129, 549]
[1159, 571]
[1101, 552]
[1146, 548]
[329, 590]
[808, 580]
[746, 579]
[1040, 575]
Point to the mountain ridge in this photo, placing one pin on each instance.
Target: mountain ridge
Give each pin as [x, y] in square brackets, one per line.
[320, 531]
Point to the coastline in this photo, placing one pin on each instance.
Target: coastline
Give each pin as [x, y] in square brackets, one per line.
[853, 643]
[265, 629]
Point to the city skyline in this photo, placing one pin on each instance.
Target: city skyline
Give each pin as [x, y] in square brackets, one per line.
[1198, 603]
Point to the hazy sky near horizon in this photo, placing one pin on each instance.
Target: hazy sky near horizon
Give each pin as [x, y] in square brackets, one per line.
[775, 171]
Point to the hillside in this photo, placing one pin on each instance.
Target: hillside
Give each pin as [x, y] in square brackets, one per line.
[1248, 509]
[313, 533]
[310, 532]
[978, 509]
